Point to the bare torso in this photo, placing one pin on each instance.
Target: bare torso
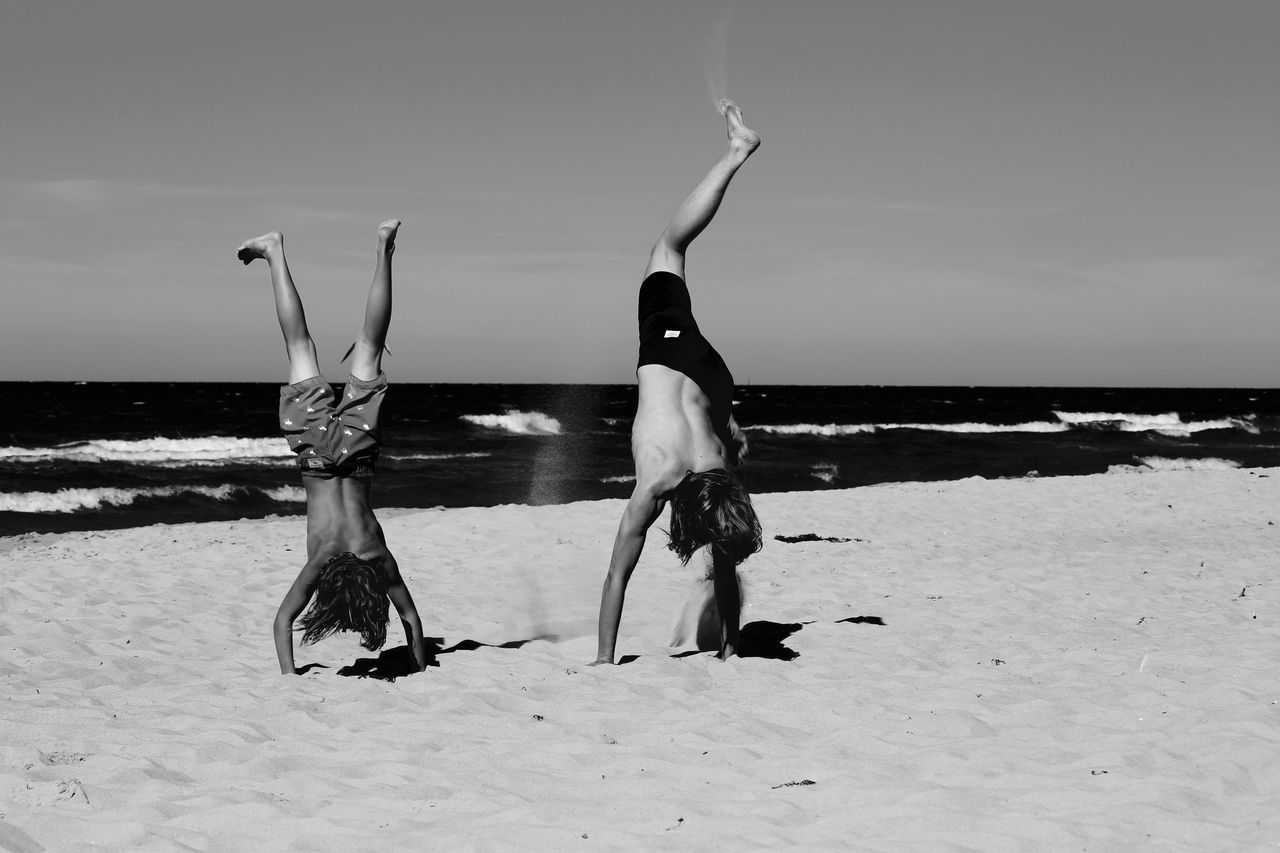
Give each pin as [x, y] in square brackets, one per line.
[340, 518]
[672, 431]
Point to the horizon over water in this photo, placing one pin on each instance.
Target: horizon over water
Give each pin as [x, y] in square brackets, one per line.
[93, 455]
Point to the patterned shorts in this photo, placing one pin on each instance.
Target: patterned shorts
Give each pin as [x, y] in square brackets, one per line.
[333, 440]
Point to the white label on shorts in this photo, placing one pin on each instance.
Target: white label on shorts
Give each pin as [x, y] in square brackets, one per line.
[672, 333]
[315, 463]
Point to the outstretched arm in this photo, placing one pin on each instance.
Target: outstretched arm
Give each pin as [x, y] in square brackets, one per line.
[295, 601]
[642, 511]
[403, 601]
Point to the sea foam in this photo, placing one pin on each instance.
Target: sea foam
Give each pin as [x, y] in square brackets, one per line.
[517, 422]
[825, 471]
[71, 500]
[1169, 423]
[854, 429]
[211, 449]
[1161, 463]
[437, 457]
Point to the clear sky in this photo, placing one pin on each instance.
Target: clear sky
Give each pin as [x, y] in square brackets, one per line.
[949, 192]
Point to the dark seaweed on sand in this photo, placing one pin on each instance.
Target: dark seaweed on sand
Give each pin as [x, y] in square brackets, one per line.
[813, 537]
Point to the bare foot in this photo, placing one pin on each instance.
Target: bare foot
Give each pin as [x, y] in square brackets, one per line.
[387, 235]
[742, 139]
[261, 247]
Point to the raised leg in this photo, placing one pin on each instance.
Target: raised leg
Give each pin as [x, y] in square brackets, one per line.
[366, 355]
[303, 362]
[700, 207]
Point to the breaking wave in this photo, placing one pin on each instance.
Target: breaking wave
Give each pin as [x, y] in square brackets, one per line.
[1161, 463]
[854, 429]
[71, 500]
[436, 457]
[827, 472]
[1169, 423]
[211, 450]
[517, 422]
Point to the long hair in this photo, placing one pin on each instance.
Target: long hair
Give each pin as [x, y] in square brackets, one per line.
[351, 595]
[712, 508]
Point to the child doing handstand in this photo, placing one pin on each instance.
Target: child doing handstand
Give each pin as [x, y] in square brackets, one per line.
[349, 574]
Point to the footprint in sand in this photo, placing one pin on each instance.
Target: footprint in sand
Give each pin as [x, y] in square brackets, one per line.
[68, 791]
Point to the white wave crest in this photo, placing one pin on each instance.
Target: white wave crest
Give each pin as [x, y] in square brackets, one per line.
[211, 449]
[430, 457]
[1169, 423]
[854, 429]
[628, 478]
[287, 494]
[70, 500]
[1161, 463]
[825, 471]
[1166, 424]
[517, 423]
[814, 429]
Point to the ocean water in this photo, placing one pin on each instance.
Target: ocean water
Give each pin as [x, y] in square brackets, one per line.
[99, 455]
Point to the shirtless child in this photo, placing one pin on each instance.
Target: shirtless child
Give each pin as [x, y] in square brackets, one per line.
[349, 572]
[684, 439]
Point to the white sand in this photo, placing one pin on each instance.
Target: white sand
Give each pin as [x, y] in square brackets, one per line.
[1067, 664]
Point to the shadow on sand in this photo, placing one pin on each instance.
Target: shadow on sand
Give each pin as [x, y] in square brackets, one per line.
[759, 639]
[395, 663]
[764, 639]
[862, 620]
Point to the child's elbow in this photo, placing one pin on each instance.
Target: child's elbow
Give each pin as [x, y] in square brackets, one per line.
[283, 623]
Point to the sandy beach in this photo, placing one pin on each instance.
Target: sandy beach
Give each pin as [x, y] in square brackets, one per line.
[1075, 663]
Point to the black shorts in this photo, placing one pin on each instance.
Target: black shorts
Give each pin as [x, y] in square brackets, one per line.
[670, 336]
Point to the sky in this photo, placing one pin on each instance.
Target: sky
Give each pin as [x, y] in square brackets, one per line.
[955, 192]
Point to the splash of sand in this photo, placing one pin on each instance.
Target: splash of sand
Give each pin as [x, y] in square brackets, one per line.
[716, 64]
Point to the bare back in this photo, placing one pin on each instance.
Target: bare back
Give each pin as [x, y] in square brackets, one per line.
[340, 518]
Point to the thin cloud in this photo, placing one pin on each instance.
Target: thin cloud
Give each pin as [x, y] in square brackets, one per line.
[532, 261]
[310, 214]
[848, 202]
[41, 266]
[73, 193]
[1210, 275]
[966, 209]
[88, 193]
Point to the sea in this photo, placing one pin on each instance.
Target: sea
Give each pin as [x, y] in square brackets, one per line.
[94, 455]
